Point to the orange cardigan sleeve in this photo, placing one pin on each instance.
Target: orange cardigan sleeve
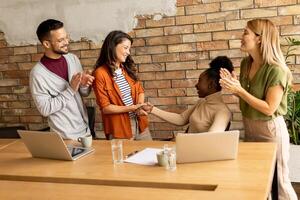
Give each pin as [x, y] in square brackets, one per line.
[99, 86]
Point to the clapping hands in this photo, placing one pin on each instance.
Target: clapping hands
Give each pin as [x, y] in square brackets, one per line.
[229, 81]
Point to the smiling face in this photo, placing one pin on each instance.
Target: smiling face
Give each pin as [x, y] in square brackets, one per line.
[122, 51]
[203, 85]
[250, 41]
[58, 41]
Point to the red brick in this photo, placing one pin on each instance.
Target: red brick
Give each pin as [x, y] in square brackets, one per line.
[31, 119]
[3, 59]
[202, 8]
[36, 57]
[97, 45]
[236, 5]
[3, 105]
[19, 58]
[193, 74]
[234, 44]
[88, 61]
[236, 24]
[290, 30]
[5, 90]
[190, 19]
[27, 112]
[282, 20]
[213, 45]
[160, 23]
[151, 93]
[19, 104]
[259, 12]
[196, 37]
[187, 100]
[171, 92]
[140, 42]
[193, 56]
[8, 97]
[15, 74]
[2, 37]
[3, 44]
[6, 51]
[184, 2]
[269, 3]
[20, 90]
[151, 50]
[165, 57]
[151, 67]
[10, 119]
[142, 59]
[157, 84]
[231, 53]
[25, 50]
[162, 101]
[78, 46]
[186, 83]
[180, 11]
[89, 54]
[26, 66]
[24, 81]
[222, 16]
[170, 75]
[173, 48]
[8, 66]
[203, 64]
[147, 76]
[149, 32]
[141, 23]
[191, 92]
[181, 65]
[9, 82]
[172, 30]
[209, 27]
[173, 39]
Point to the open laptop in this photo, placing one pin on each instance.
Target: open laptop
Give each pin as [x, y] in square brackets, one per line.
[51, 145]
[208, 146]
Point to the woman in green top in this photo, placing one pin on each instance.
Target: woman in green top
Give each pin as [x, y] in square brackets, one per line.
[262, 89]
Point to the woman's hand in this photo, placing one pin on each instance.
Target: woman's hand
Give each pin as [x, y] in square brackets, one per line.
[148, 107]
[229, 81]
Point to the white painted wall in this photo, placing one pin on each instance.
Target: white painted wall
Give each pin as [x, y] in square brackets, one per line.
[92, 19]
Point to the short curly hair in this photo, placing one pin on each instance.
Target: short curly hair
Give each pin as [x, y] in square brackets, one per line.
[213, 72]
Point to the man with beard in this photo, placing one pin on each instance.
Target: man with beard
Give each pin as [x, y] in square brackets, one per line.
[57, 83]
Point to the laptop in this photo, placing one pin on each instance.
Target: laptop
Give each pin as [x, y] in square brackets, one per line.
[208, 146]
[51, 145]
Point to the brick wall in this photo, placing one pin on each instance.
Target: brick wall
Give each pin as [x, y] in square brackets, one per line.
[170, 53]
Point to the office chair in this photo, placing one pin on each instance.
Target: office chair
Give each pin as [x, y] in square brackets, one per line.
[10, 132]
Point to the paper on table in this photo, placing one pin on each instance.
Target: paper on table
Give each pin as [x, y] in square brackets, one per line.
[144, 157]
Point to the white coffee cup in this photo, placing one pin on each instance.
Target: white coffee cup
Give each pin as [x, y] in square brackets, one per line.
[86, 141]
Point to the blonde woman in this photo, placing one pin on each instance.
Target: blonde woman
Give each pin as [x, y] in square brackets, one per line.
[262, 89]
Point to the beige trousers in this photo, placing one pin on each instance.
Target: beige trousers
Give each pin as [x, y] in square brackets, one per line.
[274, 130]
[146, 135]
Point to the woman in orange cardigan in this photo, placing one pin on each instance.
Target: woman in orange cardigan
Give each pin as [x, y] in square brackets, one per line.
[118, 91]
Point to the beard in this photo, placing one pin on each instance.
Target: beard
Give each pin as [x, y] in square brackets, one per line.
[60, 51]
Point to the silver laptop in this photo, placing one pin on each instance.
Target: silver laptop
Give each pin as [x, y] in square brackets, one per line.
[51, 145]
[207, 146]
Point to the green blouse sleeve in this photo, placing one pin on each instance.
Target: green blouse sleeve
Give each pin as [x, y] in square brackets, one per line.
[277, 76]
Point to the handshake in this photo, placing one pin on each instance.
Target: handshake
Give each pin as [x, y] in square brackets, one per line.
[143, 108]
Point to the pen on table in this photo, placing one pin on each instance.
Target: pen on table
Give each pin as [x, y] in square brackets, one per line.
[131, 154]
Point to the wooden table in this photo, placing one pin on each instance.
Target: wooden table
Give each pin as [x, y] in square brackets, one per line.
[6, 142]
[247, 177]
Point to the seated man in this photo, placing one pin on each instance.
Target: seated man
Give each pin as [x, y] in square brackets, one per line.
[210, 113]
[57, 81]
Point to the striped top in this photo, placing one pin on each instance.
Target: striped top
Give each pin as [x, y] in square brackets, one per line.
[124, 89]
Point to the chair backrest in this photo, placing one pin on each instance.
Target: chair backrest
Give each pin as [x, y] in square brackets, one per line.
[10, 132]
[91, 111]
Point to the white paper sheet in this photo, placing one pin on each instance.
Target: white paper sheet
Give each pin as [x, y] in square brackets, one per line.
[144, 157]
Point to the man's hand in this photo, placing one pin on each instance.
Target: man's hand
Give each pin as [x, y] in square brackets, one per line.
[75, 81]
[147, 107]
[87, 79]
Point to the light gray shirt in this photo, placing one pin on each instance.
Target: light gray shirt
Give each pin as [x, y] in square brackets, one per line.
[55, 99]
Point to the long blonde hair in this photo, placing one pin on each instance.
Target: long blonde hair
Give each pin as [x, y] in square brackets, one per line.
[270, 43]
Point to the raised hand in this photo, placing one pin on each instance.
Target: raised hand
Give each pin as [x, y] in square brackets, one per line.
[75, 81]
[87, 79]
